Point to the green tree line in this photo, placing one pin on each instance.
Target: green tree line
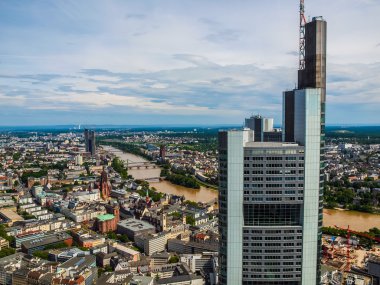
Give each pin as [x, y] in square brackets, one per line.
[119, 167]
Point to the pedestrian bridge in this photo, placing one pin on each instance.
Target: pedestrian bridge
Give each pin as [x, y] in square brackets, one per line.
[138, 165]
[152, 179]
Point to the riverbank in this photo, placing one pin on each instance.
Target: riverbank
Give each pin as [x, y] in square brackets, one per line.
[214, 187]
[358, 221]
[203, 194]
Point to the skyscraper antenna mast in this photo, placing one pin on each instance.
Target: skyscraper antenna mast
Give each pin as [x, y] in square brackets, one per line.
[302, 36]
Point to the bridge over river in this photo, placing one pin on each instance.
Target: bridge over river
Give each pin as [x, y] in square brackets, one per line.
[138, 165]
[152, 175]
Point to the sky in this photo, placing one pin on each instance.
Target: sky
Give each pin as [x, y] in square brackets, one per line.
[150, 62]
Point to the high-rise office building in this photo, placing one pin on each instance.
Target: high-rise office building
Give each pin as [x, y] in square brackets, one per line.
[270, 193]
[263, 129]
[89, 140]
[312, 76]
[162, 152]
[260, 125]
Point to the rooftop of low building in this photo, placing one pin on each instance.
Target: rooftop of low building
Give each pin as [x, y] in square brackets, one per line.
[105, 217]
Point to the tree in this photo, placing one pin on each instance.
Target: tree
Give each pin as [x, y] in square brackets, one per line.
[176, 215]
[164, 172]
[192, 204]
[56, 246]
[3, 234]
[7, 251]
[174, 259]
[375, 231]
[190, 220]
[16, 156]
[183, 180]
[27, 216]
[123, 238]
[100, 271]
[330, 205]
[112, 235]
[43, 254]
[119, 167]
[38, 174]
[344, 196]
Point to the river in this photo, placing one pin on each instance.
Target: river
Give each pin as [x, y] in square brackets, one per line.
[198, 195]
[357, 220]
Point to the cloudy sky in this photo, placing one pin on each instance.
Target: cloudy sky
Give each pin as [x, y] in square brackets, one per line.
[178, 62]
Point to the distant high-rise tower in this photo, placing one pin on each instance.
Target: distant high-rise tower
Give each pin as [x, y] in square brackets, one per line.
[260, 125]
[270, 193]
[263, 129]
[89, 140]
[162, 152]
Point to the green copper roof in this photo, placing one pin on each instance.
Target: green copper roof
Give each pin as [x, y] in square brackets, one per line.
[105, 217]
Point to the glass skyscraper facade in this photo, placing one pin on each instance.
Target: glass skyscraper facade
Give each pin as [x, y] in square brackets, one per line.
[270, 193]
[89, 140]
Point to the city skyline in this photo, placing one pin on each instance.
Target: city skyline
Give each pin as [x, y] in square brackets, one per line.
[140, 63]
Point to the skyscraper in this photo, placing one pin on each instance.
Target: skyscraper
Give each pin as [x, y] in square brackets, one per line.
[162, 153]
[312, 76]
[260, 125]
[89, 140]
[263, 129]
[270, 193]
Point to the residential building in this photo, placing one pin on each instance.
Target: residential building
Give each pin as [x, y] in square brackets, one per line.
[84, 266]
[190, 279]
[130, 253]
[152, 243]
[10, 216]
[88, 239]
[374, 266]
[3, 243]
[198, 262]
[191, 247]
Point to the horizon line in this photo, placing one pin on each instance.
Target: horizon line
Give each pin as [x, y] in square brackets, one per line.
[83, 126]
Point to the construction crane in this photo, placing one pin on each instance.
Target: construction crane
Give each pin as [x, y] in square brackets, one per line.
[329, 250]
[376, 239]
[349, 231]
[348, 265]
[302, 36]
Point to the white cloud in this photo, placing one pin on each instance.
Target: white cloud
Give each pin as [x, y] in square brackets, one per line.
[195, 57]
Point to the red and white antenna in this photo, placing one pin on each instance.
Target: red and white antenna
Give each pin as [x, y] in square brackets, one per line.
[302, 35]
